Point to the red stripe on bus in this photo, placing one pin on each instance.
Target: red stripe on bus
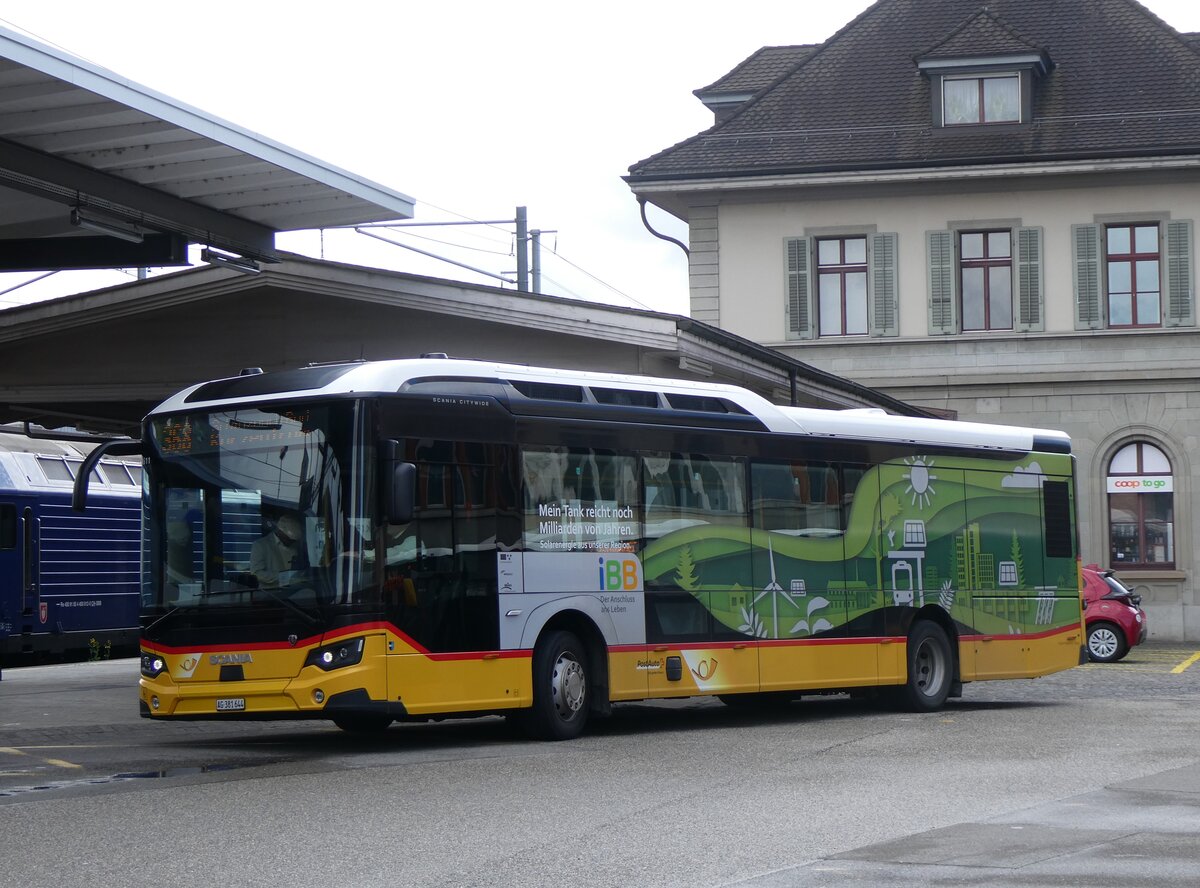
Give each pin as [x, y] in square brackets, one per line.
[357, 629]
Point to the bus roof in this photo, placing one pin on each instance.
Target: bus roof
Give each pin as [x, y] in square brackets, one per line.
[516, 381]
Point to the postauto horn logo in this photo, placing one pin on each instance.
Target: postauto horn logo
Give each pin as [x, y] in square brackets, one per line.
[620, 574]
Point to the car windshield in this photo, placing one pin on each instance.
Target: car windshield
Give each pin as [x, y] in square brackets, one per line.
[254, 506]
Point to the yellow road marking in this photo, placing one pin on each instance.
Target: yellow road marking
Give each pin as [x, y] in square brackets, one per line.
[58, 763]
[1186, 663]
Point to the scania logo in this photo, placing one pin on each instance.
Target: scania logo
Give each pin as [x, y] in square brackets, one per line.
[229, 659]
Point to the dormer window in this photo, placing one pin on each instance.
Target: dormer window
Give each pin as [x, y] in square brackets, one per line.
[982, 74]
[987, 99]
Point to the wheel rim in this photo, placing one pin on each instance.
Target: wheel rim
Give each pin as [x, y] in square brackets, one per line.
[568, 685]
[1103, 642]
[929, 668]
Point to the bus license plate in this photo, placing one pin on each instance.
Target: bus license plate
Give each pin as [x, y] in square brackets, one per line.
[231, 704]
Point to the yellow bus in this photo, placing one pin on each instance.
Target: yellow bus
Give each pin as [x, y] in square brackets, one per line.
[409, 539]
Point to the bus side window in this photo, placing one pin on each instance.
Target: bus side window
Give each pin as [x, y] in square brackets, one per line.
[690, 489]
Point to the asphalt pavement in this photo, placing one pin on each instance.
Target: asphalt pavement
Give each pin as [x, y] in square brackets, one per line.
[71, 732]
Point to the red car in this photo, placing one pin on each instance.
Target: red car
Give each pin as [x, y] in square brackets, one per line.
[1115, 619]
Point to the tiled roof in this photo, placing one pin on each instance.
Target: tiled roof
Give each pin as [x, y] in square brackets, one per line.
[760, 69]
[981, 35]
[1123, 83]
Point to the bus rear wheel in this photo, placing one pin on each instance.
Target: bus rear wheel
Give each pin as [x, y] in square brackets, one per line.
[560, 688]
[930, 668]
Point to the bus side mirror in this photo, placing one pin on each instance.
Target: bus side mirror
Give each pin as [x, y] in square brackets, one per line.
[399, 486]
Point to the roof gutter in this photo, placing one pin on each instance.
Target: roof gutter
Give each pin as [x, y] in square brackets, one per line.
[687, 182]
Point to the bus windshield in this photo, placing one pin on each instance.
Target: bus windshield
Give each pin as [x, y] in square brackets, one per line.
[264, 506]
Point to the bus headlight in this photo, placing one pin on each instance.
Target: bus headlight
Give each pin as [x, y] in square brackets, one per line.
[335, 656]
[153, 665]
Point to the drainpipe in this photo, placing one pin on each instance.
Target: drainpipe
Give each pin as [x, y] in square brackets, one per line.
[646, 222]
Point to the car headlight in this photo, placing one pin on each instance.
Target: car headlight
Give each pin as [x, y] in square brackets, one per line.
[335, 656]
[153, 665]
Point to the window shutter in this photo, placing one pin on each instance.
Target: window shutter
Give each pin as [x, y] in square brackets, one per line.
[943, 299]
[1180, 294]
[1085, 244]
[799, 304]
[1030, 311]
[884, 317]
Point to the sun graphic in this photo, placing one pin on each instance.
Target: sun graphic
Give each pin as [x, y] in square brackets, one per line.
[920, 481]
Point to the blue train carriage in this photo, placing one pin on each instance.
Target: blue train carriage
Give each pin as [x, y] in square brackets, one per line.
[69, 581]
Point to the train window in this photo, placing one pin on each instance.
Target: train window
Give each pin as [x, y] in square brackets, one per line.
[55, 468]
[8, 526]
[116, 473]
[74, 464]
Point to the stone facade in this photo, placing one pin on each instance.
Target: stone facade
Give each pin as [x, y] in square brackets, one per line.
[1106, 387]
[1104, 390]
[1043, 159]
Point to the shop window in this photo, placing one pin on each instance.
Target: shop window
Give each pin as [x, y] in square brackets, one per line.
[1141, 507]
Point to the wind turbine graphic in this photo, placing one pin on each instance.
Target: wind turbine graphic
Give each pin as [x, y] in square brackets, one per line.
[773, 589]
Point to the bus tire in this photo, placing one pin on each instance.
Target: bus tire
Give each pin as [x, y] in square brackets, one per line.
[560, 688]
[930, 668]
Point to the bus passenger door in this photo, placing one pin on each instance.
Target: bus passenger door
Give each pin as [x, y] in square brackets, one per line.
[814, 600]
[698, 565]
[1003, 525]
[923, 549]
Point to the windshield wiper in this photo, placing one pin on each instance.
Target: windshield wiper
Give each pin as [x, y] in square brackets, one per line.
[290, 605]
[176, 609]
[247, 590]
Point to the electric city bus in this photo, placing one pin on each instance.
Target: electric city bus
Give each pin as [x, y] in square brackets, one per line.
[480, 538]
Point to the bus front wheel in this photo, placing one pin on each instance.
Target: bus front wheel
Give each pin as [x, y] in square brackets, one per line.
[930, 668]
[560, 687]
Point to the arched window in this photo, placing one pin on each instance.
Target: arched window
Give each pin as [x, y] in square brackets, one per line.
[1141, 507]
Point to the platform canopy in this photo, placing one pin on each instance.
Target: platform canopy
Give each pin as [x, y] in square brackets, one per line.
[99, 172]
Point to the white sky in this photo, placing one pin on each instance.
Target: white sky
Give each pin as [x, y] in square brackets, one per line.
[470, 107]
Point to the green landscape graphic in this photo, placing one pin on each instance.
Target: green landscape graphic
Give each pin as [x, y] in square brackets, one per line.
[961, 534]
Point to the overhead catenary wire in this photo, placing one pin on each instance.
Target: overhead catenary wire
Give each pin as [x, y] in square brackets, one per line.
[404, 229]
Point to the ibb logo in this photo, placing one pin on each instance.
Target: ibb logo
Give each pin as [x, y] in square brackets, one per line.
[1142, 484]
[618, 574]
